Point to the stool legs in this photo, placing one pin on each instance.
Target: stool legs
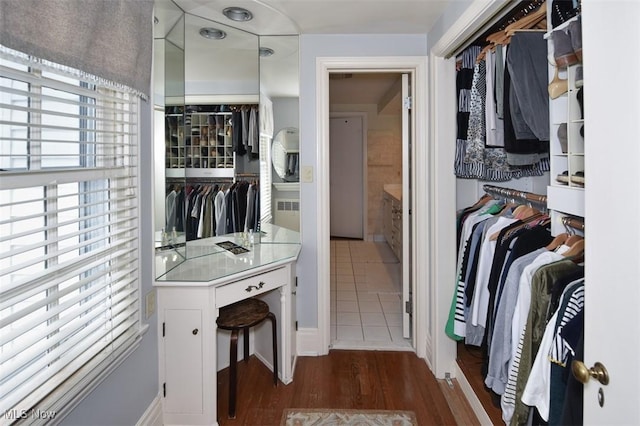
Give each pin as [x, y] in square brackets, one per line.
[233, 360]
[274, 342]
[233, 373]
[245, 337]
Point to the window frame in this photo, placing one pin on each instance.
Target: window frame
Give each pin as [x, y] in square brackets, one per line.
[60, 398]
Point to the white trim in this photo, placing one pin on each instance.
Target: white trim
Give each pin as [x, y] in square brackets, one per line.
[286, 186]
[471, 396]
[365, 190]
[442, 182]
[308, 342]
[220, 99]
[153, 414]
[417, 66]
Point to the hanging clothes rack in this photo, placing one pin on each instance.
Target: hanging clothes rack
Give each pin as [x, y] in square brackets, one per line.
[510, 13]
[516, 195]
[572, 222]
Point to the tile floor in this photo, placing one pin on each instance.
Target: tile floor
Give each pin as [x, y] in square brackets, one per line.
[366, 296]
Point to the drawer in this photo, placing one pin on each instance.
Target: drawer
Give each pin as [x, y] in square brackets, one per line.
[229, 293]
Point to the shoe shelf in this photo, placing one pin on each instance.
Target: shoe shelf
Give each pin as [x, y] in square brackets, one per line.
[199, 143]
[566, 146]
[174, 139]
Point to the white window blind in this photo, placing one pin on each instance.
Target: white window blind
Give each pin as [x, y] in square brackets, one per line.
[69, 293]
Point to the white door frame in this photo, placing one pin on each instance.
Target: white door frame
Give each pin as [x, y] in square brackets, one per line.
[442, 118]
[365, 190]
[417, 67]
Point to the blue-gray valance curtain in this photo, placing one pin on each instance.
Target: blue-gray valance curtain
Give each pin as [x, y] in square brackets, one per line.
[109, 39]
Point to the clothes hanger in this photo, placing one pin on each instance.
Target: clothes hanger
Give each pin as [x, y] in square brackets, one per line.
[528, 21]
[557, 241]
[576, 251]
[573, 239]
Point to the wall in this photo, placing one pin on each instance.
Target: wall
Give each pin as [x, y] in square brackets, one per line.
[311, 47]
[384, 159]
[124, 395]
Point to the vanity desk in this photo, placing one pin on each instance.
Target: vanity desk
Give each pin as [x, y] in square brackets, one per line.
[192, 284]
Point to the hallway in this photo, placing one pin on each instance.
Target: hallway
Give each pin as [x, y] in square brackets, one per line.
[366, 296]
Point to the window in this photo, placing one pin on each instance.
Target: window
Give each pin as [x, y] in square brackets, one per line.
[69, 298]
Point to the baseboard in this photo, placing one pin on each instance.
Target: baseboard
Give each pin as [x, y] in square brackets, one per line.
[429, 353]
[471, 396]
[307, 342]
[153, 414]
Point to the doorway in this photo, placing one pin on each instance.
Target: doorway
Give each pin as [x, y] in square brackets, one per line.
[416, 67]
[366, 160]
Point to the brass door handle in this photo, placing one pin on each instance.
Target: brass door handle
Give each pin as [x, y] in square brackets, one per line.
[583, 374]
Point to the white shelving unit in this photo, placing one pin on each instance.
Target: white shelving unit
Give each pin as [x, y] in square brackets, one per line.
[566, 197]
[199, 144]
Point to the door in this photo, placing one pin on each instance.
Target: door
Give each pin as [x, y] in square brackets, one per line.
[346, 177]
[612, 267]
[407, 290]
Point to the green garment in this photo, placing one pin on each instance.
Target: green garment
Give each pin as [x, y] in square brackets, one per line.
[541, 282]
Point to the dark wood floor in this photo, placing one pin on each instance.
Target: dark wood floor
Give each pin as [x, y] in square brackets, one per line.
[343, 379]
[470, 362]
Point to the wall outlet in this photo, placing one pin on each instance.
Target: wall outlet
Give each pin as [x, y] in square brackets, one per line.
[306, 174]
[150, 303]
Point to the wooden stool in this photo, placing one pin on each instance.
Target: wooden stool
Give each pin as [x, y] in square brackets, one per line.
[244, 315]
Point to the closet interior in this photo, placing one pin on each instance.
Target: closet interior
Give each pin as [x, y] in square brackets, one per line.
[517, 306]
[212, 171]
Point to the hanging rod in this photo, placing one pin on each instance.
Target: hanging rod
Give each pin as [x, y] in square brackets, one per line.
[515, 194]
[573, 222]
[511, 12]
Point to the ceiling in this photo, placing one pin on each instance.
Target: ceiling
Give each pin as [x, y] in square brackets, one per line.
[278, 17]
[271, 17]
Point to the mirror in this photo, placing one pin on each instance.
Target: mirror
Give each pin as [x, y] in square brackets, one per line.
[279, 84]
[284, 154]
[214, 88]
[169, 92]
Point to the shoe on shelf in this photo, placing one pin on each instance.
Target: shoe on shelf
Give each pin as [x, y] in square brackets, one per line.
[563, 177]
[562, 49]
[575, 32]
[562, 137]
[579, 97]
[578, 178]
[558, 86]
[579, 81]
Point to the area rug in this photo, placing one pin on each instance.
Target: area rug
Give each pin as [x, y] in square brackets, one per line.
[332, 417]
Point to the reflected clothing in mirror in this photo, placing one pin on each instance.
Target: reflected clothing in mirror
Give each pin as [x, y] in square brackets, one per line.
[293, 171]
[217, 209]
[285, 154]
[244, 122]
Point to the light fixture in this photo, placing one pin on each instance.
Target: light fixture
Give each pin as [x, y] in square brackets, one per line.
[265, 52]
[156, 21]
[237, 14]
[212, 33]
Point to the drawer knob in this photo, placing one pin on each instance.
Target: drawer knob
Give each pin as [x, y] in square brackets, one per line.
[195, 331]
[254, 287]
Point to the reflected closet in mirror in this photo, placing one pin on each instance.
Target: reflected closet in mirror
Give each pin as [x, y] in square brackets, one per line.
[219, 103]
[169, 98]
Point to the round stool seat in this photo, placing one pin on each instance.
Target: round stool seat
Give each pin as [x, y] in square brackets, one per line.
[242, 314]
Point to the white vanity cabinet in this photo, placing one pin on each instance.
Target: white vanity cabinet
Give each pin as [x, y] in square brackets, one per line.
[191, 348]
[392, 218]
